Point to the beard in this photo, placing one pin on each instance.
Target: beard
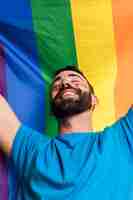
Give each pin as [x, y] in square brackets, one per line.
[67, 107]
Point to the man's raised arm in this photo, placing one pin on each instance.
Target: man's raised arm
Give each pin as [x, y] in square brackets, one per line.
[9, 124]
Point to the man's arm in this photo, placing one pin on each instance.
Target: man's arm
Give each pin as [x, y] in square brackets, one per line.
[9, 124]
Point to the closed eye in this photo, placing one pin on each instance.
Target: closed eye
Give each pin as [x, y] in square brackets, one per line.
[75, 81]
[57, 86]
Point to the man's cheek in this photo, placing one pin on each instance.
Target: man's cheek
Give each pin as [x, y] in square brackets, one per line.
[84, 87]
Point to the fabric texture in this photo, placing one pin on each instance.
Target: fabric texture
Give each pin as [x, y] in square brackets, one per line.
[76, 165]
[38, 37]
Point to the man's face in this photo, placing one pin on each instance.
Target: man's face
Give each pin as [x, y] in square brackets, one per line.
[70, 94]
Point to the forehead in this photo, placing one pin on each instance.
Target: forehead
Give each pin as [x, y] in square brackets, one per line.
[69, 73]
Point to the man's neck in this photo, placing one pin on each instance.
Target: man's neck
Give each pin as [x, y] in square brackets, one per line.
[78, 123]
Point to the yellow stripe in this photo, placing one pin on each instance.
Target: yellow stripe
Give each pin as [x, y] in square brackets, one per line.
[96, 53]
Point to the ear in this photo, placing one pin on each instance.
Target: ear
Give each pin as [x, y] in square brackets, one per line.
[94, 101]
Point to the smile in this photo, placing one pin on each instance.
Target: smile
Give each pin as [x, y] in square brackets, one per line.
[68, 92]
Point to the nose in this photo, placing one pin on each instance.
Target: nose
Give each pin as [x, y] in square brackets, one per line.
[65, 82]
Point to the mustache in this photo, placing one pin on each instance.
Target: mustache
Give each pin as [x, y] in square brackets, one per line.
[62, 89]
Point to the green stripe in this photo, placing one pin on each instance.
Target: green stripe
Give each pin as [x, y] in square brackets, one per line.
[52, 22]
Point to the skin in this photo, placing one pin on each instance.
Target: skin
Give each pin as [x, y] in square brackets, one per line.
[80, 122]
[9, 122]
[72, 78]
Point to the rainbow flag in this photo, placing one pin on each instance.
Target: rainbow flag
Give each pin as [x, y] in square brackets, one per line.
[38, 37]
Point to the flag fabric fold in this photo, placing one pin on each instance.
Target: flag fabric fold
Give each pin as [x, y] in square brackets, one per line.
[39, 37]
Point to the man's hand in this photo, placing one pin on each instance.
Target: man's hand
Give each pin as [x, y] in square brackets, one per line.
[9, 124]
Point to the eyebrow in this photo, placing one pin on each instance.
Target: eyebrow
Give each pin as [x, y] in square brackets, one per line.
[70, 75]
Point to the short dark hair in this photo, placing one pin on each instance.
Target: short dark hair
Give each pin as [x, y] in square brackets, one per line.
[75, 69]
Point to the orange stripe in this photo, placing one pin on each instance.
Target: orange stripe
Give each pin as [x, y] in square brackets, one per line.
[123, 28]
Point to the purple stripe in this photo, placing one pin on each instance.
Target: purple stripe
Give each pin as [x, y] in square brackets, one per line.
[3, 162]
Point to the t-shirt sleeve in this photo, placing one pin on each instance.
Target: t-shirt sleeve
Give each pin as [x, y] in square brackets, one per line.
[122, 136]
[119, 135]
[126, 125]
[25, 149]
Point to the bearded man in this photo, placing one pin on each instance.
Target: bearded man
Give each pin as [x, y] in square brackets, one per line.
[79, 163]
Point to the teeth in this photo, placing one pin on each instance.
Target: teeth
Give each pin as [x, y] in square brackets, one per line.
[68, 93]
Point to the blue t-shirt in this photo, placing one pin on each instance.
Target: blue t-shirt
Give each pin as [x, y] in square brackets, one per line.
[76, 166]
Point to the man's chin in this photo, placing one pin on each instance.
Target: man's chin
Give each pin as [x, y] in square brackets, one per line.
[68, 105]
[64, 114]
[68, 108]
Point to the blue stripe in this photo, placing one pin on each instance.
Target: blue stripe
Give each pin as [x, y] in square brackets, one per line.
[24, 81]
[16, 13]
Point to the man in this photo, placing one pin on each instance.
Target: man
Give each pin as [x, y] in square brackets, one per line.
[79, 163]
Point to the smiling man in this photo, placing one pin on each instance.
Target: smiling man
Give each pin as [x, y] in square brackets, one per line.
[79, 163]
[72, 95]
